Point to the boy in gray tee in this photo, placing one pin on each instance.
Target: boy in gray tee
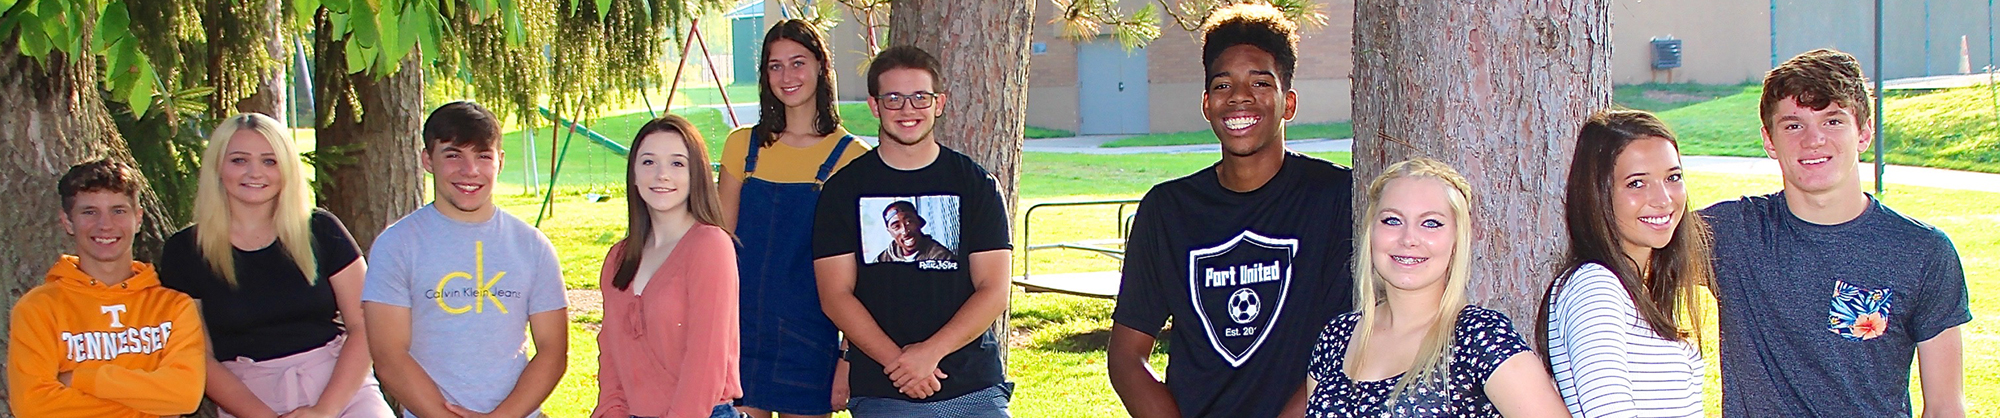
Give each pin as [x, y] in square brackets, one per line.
[1824, 293]
[454, 289]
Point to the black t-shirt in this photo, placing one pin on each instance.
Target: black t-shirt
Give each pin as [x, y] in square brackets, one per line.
[910, 233]
[273, 312]
[1249, 280]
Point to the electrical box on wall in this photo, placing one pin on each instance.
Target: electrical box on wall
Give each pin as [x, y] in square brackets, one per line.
[1666, 53]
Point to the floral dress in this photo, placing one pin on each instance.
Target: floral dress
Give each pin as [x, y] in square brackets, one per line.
[1483, 338]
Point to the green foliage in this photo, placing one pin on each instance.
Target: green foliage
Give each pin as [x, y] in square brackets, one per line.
[379, 34]
[47, 27]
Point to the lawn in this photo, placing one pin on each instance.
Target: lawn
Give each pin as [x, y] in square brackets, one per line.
[1661, 97]
[1335, 130]
[1956, 129]
[1057, 354]
[859, 121]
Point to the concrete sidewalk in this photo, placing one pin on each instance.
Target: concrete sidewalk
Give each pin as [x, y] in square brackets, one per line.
[1905, 175]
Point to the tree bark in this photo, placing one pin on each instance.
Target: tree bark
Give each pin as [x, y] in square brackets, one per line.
[52, 117]
[270, 97]
[1497, 90]
[369, 142]
[983, 47]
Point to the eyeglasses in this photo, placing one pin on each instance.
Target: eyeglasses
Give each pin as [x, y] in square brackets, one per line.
[895, 101]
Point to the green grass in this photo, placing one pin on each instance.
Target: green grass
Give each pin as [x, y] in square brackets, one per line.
[1725, 126]
[1336, 130]
[859, 121]
[1660, 97]
[588, 162]
[1955, 129]
[705, 95]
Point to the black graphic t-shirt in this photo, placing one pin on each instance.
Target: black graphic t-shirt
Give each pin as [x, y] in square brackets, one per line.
[911, 233]
[1249, 280]
[273, 312]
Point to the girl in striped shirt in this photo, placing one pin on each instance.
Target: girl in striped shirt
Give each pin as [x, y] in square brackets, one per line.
[1619, 319]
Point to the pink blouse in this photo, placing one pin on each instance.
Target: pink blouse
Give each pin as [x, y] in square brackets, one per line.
[671, 352]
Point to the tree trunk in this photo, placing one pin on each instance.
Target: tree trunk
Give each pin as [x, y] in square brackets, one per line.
[1497, 90]
[983, 47]
[369, 142]
[52, 117]
[270, 97]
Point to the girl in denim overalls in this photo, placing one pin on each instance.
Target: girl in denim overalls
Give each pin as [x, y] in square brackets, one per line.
[769, 184]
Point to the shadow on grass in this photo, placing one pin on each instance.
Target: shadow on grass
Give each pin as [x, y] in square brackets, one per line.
[1095, 340]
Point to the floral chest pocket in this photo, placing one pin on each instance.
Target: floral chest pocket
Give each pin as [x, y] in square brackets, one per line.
[1859, 313]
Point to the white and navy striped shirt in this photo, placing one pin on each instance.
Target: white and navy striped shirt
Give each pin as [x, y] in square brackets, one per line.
[1608, 362]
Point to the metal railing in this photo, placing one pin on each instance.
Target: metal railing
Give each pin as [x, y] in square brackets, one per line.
[1124, 225]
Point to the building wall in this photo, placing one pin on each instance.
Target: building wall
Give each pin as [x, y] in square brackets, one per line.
[1175, 75]
[1921, 36]
[1723, 41]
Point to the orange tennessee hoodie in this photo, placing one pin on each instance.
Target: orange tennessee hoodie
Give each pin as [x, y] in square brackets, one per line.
[133, 350]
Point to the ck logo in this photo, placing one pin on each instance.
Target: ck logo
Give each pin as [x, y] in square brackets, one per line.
[1238, 289]
[113, 310]
[481, 290]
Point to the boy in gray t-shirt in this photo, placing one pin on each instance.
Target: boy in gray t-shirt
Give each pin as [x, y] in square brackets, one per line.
[454, 289]
[1825, 293]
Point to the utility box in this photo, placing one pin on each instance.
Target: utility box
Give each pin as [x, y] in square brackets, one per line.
[1666, 53]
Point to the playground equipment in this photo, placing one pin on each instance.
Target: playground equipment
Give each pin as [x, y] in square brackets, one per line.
[561, 150]
[1096, 284]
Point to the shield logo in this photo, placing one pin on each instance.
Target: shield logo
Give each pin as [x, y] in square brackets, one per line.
[1238, 289]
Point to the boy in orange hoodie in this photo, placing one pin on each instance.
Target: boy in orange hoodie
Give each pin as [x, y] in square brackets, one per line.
[101, 338]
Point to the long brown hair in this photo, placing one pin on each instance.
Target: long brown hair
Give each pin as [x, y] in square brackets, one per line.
[703, 203]
[1663, 290]
[770, 111]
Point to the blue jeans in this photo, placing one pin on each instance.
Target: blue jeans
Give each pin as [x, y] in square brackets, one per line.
[990, 402]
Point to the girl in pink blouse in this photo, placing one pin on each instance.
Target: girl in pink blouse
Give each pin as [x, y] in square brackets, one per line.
[669, 343]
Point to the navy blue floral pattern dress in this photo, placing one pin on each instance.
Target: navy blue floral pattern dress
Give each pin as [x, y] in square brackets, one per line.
[1483, 339]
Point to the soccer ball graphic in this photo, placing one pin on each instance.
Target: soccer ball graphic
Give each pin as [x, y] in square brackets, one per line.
[1243, 306]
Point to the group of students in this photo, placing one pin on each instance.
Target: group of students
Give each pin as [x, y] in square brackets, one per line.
[815, 274]
[1823, 294]
[895, 268]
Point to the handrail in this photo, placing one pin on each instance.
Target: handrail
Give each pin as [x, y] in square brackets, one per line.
[1027, 227]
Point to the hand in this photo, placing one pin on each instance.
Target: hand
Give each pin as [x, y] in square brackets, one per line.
[464, 413]
[313, 411]
[63, 378]
[922, 388]
[917, 362]
[840, 390]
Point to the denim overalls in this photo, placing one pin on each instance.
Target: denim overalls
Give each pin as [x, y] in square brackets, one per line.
[789, 346]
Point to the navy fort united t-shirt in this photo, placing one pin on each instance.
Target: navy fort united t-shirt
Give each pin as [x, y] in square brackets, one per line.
[1248, 279]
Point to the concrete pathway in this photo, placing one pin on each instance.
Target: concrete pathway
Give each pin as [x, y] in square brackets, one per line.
[1906, 175]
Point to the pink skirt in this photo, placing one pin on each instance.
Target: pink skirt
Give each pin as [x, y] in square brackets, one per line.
[295, 381]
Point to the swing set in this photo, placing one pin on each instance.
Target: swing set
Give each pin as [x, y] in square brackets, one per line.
[561, 152]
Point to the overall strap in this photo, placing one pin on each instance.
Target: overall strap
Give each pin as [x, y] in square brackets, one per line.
[750, 159]
[826, 168]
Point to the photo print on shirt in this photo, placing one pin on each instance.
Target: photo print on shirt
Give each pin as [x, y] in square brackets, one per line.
[1238, 288]
[920, 230]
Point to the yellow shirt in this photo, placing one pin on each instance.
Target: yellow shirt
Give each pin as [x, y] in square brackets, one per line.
[780, 163]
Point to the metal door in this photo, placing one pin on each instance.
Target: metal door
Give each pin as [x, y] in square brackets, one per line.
[1111, 88]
